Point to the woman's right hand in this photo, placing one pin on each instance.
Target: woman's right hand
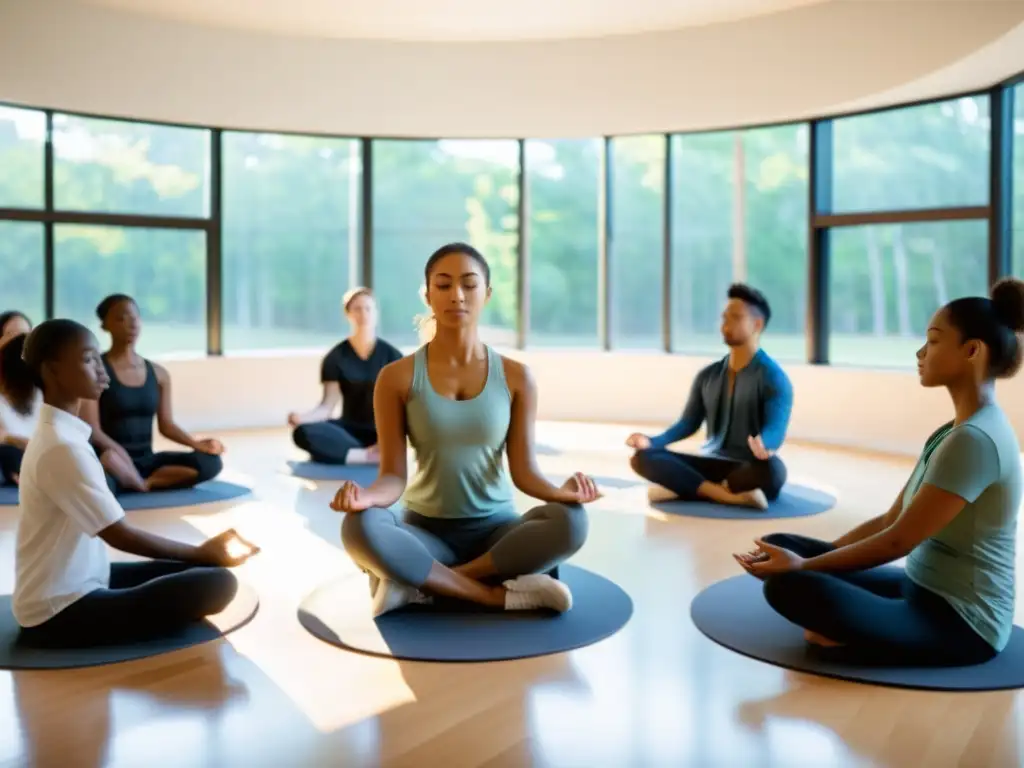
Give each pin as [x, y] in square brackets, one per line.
[226, 550]
[638, 441]
[118, 463]
[294, 419]
[351, 497]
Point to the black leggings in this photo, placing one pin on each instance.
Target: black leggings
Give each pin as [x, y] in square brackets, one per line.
[328, 442]
[683, 473]
[10, 463]
[144, 601]
[879, 615]
[206, 465]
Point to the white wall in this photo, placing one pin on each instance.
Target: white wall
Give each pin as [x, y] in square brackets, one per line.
[871, 409]
[795, 64]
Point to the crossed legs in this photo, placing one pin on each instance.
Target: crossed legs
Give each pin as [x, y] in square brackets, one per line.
[425, 560]
[716, 478]
[875, 616]
[144, 600]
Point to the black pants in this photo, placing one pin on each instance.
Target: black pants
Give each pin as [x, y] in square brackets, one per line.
[10, 463]
[879, 614]
[206, 465]
[145, 600]
[328, 442]
[683, 473]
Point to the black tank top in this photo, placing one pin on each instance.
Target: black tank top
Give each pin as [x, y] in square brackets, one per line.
[126, 413]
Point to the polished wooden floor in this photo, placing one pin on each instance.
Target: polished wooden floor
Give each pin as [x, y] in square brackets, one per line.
[656, 694]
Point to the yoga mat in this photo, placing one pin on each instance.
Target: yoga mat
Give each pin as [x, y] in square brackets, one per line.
[794, 501]
[206, 493]
[339, 613]
[364, 474]
[16, 656]
[735, 614]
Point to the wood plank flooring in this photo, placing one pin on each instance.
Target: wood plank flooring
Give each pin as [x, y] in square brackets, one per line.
[656, 694]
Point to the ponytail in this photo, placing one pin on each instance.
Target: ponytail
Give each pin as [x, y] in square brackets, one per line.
[425, 323]
[17, 381]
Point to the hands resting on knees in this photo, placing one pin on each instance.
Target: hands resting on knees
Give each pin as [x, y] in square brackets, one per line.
[641, 442]
[768, 560]
[580, 488]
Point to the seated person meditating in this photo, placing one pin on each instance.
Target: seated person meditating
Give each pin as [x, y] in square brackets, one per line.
[348, 373]
[745, 399]
[66, 592]
[122, 420]
[955, 520]
[461, 405]
[19, 409]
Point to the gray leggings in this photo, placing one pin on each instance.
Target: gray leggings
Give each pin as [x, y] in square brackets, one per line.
[405, 549]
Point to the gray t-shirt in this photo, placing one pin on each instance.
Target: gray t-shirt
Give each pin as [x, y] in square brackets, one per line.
[971, 562]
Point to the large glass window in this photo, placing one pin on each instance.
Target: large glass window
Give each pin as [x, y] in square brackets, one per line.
[22, 136]
[636, 248]
[1018, 181]
[428, 193]
[930, 156]
[563, 178]
[164, 270]
[739, 214]
[21, 268]
[291, 244]
[110, 166]
[887, 280]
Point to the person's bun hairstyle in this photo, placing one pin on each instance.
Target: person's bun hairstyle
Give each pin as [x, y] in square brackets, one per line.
[1008, 303]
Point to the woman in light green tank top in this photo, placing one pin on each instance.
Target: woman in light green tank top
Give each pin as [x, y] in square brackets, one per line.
[464, 408]
[955, 520]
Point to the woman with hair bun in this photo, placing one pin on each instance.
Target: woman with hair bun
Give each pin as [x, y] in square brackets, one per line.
[122, 420]
[955, 520]
[348, 373]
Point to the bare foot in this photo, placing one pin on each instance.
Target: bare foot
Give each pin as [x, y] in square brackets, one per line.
[815, 639]
[754, 498]
[15, 477]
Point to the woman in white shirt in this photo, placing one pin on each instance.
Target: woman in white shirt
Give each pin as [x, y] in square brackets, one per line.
[66, 591]
[19, 410]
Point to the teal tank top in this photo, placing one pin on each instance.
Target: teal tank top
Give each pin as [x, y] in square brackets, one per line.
[459, 446]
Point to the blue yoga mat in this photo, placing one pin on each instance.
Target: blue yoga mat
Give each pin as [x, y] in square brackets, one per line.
[207, 493]
[364, 474]
[735, 614]
[794, 501]
[13, 655]
[465, 633]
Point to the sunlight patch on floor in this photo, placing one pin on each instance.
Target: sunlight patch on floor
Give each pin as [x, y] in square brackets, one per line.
[314, 675]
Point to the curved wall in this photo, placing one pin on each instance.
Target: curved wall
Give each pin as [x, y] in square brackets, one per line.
[795, 64]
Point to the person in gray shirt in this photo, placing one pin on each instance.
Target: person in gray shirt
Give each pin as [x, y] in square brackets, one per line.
[746, 400]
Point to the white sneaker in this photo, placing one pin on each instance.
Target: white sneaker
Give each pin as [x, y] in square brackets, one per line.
[537, 590]
[390, 596]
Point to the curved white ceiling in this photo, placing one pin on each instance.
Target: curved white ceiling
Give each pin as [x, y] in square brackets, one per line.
[807, 61]
[451, 20]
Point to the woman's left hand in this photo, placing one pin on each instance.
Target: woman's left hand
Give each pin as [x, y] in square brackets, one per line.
[210, 446]
[757, 447]
[769, 560]
[582, 488]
